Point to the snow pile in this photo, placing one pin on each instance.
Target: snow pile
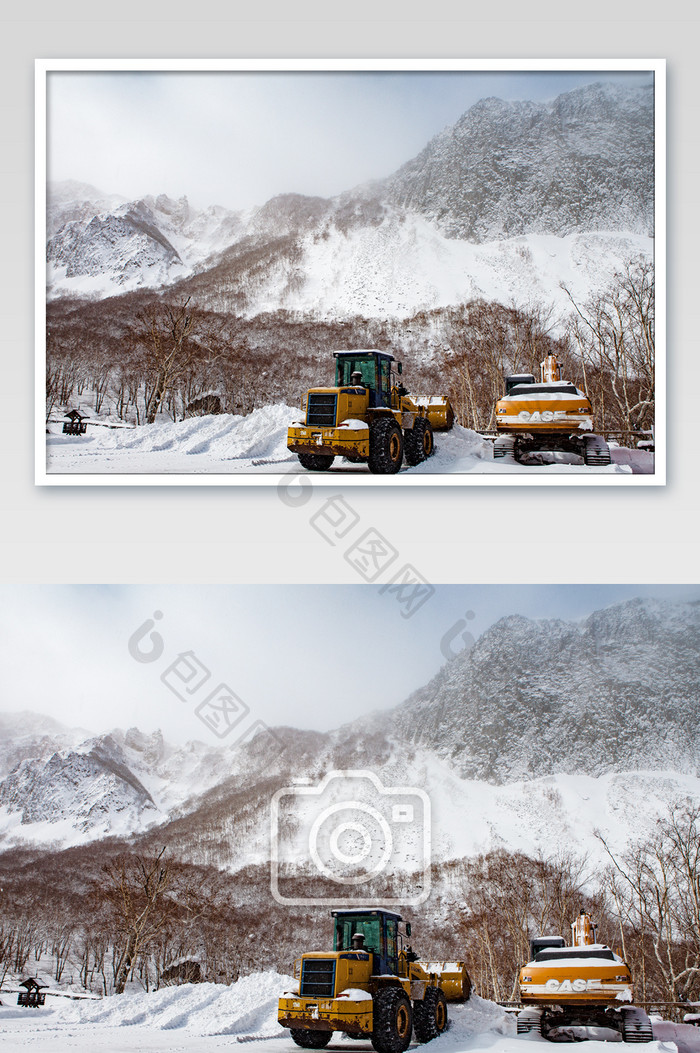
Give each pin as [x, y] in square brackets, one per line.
[225, 444]
[473, 1018]
[222, 442]
[685, 1037]
[246, 1009]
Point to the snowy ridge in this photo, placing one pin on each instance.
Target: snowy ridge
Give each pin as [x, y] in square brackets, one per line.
[583, 162]
[104, 245]
[509, 202]
[67, 789]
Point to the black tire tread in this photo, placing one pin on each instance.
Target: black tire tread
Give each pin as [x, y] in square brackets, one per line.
[424, 1015]
[308, 1039]
[316, 462]
[415, 442]
[380, 433]
[385, 1037]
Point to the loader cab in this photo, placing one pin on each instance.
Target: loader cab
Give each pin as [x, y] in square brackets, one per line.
[375, 369]
[380, 929]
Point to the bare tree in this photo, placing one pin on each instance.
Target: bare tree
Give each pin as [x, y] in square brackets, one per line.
[136, 891]
[166, 334]
[656, 886]
[614, 333]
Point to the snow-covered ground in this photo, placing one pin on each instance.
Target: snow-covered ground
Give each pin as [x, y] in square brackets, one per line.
[203, 1017]
[256, 444]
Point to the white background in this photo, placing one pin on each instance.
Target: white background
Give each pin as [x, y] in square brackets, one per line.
[248, 534]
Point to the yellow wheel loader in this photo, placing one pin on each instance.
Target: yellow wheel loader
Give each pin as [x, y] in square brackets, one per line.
[550, 415]
[584, 985]
[371, 987]
[368, 417]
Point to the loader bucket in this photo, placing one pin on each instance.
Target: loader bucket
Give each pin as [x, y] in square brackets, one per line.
[438, 410]
[453, 977]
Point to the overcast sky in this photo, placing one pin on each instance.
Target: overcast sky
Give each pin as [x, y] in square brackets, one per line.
[307, 656]
[238, 138]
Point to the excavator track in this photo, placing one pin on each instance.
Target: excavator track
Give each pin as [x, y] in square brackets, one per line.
[636, 1025]
[504, 445]
[596, 451]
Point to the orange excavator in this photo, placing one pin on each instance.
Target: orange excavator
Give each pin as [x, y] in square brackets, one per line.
[584, 985]
[552, 415]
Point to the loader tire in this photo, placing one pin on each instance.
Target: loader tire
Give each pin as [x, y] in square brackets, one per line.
[419, 443]
[393, 1021]
[316, 462]
[430, 1015]
[385, 446]
[310, 1039]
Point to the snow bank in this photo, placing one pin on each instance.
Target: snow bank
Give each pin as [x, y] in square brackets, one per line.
[222, 442]
[475, 1017]
[225, 444]
[246, 1009]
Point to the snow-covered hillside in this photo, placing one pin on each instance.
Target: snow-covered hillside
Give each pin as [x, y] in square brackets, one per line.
[407, 264]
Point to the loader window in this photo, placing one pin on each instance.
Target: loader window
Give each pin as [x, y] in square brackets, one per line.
[346, 926]
[385, 373]
[364, 364]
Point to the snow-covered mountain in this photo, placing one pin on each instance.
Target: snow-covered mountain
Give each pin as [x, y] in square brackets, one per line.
[583, 163]
[510, 201]
[616, 692]
[65, 785]
[543, 727]
[102, 245]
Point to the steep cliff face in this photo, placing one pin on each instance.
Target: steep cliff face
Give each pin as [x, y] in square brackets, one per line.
[580, 164]
[616, 692]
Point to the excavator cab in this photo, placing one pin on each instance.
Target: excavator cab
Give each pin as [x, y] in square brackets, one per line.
[542, 943]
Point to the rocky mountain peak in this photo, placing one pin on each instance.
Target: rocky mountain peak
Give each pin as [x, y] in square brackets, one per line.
[615, 692]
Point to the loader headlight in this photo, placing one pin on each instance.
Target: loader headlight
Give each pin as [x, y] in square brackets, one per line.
[527, 979]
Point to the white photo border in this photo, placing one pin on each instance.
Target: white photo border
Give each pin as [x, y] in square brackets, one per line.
[44, 66]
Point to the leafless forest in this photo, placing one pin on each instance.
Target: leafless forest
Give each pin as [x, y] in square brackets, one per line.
[142, 357]
[110, 913]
